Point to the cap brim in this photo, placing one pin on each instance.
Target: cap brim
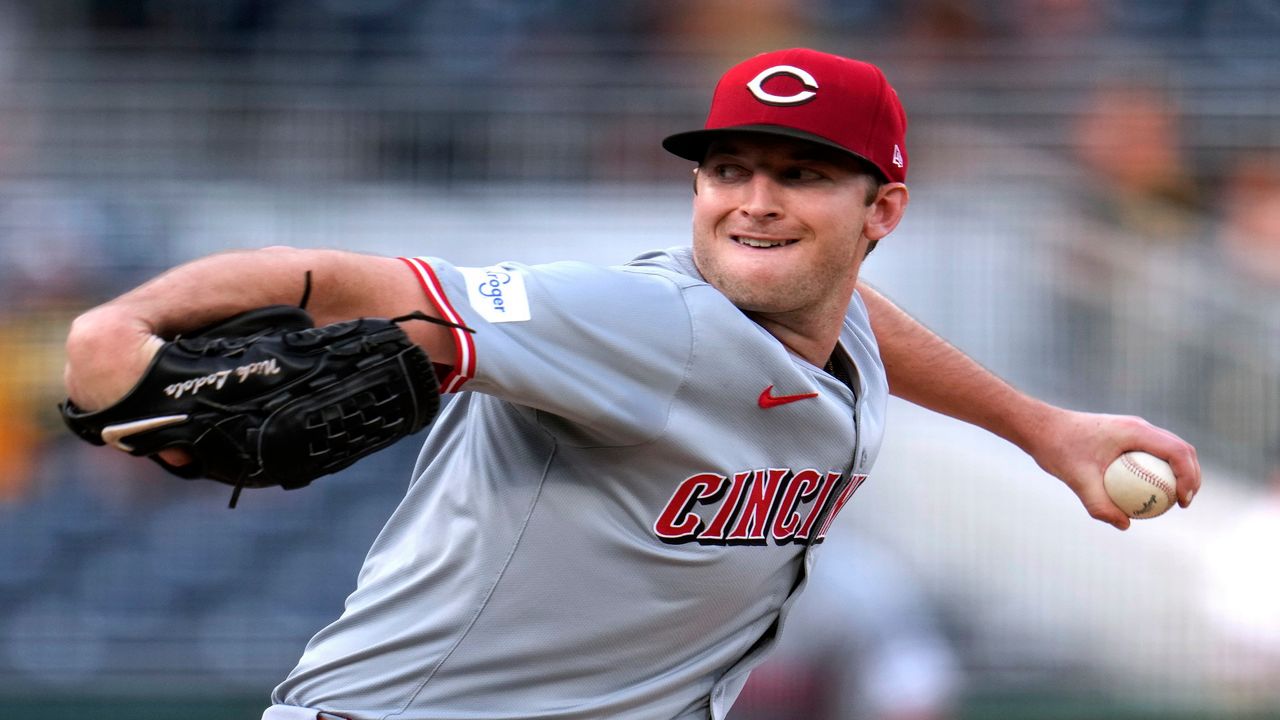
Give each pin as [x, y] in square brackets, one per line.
[693, 145]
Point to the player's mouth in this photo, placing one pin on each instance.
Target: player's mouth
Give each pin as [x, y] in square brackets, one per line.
[761, 242]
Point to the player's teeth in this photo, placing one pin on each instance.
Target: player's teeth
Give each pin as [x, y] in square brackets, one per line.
[752, 242]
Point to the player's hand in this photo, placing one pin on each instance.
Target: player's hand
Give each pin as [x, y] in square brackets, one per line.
[1077, 447]
[107, 353]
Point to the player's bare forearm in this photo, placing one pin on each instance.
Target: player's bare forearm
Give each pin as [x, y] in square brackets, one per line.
[344, 285]
[924, 369]
[109, 346]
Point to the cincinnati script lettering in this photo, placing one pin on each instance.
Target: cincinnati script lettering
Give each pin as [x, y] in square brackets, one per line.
[754, 507]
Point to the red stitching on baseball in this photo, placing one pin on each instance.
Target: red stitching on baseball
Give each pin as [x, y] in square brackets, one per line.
[1150, 477]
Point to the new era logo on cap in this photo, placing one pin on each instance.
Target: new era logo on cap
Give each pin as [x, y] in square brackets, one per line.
[835, 101]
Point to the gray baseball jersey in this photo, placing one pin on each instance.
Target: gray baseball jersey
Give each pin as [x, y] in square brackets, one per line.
[612, 516]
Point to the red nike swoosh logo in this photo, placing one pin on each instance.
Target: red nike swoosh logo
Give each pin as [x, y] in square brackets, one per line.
[769, 400]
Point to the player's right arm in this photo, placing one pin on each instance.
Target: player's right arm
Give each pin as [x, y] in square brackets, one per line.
[109, 347]
[1076, 447]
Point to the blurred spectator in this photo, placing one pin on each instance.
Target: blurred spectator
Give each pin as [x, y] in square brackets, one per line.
[1137, 208]
[863, 641]
[732, 30]
[1057, 20]
[941, 21]
[1250, 231]
[1128, 136]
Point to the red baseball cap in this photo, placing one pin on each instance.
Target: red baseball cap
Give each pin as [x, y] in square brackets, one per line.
[827, 99]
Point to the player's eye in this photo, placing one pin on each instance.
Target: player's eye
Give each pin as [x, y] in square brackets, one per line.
[803, 174]
[730, 171]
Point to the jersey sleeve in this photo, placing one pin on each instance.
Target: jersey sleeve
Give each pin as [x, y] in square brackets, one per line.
[598, 352]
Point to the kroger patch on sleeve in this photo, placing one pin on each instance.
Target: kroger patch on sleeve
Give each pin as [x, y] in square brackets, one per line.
[496, 293]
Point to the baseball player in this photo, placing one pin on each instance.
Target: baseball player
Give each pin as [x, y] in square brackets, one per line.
[639, 463]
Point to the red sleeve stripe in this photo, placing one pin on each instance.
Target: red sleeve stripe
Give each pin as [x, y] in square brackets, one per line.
[464, 367]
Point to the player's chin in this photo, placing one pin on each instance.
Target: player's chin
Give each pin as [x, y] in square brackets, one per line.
[756, 295]
[753, 280]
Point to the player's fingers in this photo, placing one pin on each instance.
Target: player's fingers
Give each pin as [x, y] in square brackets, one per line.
[1187, 490]
[1109, 513]
[1181, 456]
[1100, 505]
[175, 456]
[1179, 453]
[100, 350]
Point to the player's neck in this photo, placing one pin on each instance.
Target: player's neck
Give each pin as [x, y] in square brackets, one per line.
[812, 331]
[812, 336]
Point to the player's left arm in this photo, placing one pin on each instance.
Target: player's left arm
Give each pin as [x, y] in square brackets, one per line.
[1076, 447]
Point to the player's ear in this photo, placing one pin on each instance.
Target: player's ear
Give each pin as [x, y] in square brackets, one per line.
[695, 181]
[886, 210]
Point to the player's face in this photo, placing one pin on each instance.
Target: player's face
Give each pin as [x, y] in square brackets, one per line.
[778, 223]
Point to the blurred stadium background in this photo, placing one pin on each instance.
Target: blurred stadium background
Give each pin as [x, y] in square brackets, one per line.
[1095, 215]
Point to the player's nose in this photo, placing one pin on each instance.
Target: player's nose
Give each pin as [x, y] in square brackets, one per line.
[761, 198]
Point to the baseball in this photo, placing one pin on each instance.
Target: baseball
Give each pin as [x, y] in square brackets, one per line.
[1141, 484]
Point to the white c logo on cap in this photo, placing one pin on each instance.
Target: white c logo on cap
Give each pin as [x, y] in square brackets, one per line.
[756, 86]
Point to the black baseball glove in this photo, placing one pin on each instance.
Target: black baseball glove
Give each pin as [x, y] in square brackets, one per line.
[266, 398]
